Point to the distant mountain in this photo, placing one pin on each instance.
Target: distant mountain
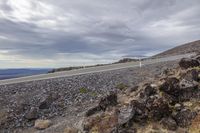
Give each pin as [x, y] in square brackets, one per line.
[182, 49]
[14, 73]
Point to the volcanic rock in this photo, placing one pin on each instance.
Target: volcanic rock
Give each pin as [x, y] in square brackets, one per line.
[126, 116]
[184, 117]
[110, 100]
[32, 114]
[186, 63]
[171, 86]
[169, 123]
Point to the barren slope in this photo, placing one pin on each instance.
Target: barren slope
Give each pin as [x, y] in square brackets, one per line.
[182, 49]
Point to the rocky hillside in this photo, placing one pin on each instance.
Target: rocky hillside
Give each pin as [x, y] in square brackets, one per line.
[169, 103]
[182, 49]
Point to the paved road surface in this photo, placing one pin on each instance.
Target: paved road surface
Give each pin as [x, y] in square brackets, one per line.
[91, 70]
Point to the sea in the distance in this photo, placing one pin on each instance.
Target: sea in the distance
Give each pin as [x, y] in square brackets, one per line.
[16, 73]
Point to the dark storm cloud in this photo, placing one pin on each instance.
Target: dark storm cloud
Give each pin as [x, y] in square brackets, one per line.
[95, 29]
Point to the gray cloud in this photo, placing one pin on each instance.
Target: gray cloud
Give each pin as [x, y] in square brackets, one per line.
[89, 30]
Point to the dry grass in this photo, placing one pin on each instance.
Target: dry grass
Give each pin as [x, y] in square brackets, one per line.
[195, 126]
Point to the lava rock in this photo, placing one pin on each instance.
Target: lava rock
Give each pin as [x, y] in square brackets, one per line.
[188, 85]
[110, 100]
[126, 116]
[192, 75]
[184, 117]
[186, 63]
[141, 112]
[158, 108]
[32, 114]
[92, 111]
[171, 86]
[46, 102]
[169, 123]
[149, 90]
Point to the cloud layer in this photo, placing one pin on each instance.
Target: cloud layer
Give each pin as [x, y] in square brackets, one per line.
[49, 33]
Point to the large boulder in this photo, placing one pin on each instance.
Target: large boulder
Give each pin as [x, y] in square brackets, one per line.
[187, 85]
[126, 116]
[186, 63]
[158, 108]
[110, 100]
[141, 112]
[105, 102]
[171, 86]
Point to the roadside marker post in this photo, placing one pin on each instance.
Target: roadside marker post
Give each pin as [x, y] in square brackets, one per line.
[140, 62]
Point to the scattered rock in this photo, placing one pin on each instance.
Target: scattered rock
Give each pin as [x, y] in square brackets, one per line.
[32, 114]
[126, 116]
[92, 111]
[158, 108]
[149, 90]
[110, 100]
[169, 123]
[184, 117]
[188, 85]
[171, 86]
[141, 112]
[192, 75]
[178, 107]
[70, 130]
[42, 124]
[47, 101]
[186, 63]
[131, 89]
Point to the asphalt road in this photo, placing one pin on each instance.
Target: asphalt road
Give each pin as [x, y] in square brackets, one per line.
[91, 70]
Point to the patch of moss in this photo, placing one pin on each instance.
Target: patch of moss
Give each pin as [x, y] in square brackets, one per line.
[122, 86]
[94, 94]
[83, 90]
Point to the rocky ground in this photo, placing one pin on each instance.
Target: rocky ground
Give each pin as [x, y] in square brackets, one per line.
[64, 101]
[154, 98]
[170, 103]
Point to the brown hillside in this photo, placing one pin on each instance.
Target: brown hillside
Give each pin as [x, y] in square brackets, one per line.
[182, 49]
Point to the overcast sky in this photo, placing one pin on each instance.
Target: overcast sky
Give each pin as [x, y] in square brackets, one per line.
[57, 33]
